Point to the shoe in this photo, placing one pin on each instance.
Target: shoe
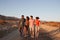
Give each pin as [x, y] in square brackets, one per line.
[32, 36]
[25, 36]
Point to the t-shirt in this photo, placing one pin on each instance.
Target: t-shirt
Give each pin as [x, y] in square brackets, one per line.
[31, 22]
[22, 22]
[37, 22]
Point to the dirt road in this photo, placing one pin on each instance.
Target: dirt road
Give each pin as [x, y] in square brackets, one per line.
[46, 33]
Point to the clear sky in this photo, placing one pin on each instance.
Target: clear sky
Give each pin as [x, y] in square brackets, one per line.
[48, 10]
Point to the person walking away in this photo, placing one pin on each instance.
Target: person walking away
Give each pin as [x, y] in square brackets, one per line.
[37, 24]
[31, 26]
[21, 25]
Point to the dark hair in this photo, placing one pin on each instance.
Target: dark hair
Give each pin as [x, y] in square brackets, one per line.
[27, 17]
[22, 15]
[37, 17]
[31, 16]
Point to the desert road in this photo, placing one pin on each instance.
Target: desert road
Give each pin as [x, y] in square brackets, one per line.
[46, 33]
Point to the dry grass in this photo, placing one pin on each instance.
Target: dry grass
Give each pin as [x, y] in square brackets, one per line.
[54, 24]
[2, 21]
[6, 27]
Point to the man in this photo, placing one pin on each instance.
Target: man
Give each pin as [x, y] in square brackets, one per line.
[31, 26]
[21, 25]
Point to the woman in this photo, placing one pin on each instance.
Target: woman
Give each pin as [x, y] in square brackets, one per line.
[26, 28]
[37, 24]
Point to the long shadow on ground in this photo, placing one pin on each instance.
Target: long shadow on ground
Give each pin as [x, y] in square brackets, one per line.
[43, 35]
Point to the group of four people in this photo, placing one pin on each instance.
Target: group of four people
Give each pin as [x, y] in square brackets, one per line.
[26, 26]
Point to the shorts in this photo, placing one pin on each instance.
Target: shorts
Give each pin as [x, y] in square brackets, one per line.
[37, 28]
[31, 28]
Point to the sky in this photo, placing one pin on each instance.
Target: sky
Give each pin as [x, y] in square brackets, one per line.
[47, 10]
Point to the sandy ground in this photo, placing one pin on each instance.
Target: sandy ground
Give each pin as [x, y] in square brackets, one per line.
[54, 31]
[46, 33]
